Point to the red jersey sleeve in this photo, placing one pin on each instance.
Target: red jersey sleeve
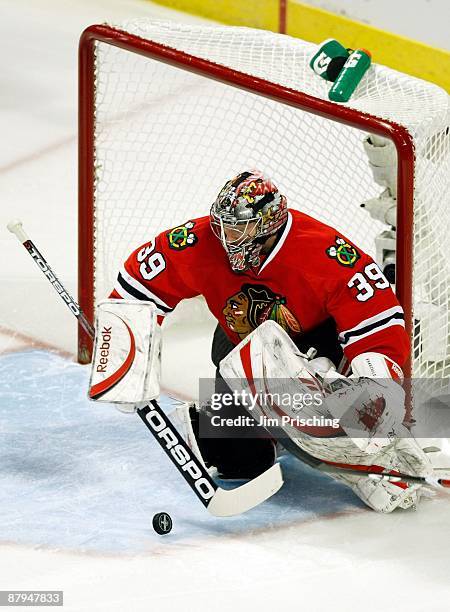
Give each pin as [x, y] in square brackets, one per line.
[351, 288]
[368, 315]
[156, 274]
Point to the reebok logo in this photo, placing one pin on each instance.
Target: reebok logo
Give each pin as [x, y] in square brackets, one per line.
[104, 349]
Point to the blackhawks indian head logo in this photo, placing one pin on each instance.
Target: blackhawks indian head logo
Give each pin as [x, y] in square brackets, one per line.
[253, 305]
[181, 237]
[343, 252]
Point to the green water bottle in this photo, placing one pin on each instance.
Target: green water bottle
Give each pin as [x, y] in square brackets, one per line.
[350, 76]
[329, 59]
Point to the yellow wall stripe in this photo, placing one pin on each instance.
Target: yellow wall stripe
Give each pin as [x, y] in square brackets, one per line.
[315, 25]
[399, 52]
[261, 14]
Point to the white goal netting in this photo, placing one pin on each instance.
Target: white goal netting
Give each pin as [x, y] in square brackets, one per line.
[167, 139]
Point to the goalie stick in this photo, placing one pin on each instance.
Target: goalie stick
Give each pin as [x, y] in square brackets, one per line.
[218, 501]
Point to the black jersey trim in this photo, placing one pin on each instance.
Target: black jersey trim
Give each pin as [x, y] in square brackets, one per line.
[139, 295]
[345, 337]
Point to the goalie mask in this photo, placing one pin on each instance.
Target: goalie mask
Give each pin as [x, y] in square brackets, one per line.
[248, 209]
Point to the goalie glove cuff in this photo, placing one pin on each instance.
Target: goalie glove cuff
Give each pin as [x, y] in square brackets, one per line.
[376, 365]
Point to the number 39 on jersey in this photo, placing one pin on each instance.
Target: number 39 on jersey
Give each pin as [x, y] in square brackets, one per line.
[367, 282]
[152, 263]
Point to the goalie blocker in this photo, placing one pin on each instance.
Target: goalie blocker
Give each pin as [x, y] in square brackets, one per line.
[126, 361]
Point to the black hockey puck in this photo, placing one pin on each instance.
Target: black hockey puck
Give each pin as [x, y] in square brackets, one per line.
[162, 523]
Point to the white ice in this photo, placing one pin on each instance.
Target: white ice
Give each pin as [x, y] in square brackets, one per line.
[79, 483]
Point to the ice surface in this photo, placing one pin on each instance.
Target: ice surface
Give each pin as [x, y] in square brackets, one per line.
[80, 482]
[81, 475]
[77, 477]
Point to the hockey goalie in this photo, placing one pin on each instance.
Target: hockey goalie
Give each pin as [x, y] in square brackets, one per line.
[300, 309]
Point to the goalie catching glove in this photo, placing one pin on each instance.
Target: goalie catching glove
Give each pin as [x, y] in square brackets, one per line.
[268, 366]
[370, 405]
[126, 361]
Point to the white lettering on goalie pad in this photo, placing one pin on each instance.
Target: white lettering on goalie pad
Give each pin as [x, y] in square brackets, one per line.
[126, 359]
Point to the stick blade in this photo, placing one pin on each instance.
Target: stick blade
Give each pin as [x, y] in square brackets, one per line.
[247, 496]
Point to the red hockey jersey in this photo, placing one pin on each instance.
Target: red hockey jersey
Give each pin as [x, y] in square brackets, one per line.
[312, 273]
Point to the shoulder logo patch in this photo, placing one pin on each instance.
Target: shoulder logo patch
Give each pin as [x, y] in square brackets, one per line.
[181, 237]
[344, 253]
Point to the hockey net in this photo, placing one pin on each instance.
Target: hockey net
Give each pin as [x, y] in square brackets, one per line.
[169, 112]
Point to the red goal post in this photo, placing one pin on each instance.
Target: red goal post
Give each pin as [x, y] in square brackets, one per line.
[162, 47]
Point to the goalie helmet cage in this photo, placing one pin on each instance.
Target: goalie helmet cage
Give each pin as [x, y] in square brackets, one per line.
[169, 112]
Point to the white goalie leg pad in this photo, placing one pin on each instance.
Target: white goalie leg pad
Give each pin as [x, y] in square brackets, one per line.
[269, 354]
[268, 358]
[272, 377]
[266, 368]
[268, 365]
[126, 360]
[404, 455]
[183, 417]
[384, 496]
